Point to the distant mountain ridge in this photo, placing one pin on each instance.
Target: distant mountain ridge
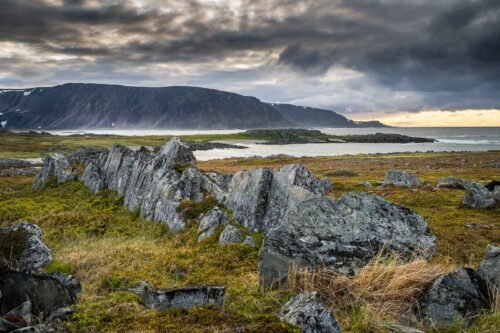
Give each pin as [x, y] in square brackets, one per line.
[85, 106]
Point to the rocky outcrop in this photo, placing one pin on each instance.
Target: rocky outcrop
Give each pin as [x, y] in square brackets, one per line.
[210, 222]
[453, 296]
[401, 178]
[92, 177]
[21, 247]
[342, 234]
[152, 184]
[56, 166]
[478, 196]
[185, 297]
[489, 268]
[260, 198]
[308, 313]
[230, 235]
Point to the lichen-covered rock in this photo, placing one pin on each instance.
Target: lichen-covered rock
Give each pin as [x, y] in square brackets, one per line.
[478, 196]
[152, 184]
[342, 234]
[453, 182]
[401, 178]
[210, 222]
[57, 166]
[489, 268]
[259, 198]
[184, 297]
[308, 313]
[230, 235]
[46, 292]
[21, 245]
[20, 314]
[92, 177]
[453, 296]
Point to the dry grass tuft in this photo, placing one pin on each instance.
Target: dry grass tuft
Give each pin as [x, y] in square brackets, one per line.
[384, 289]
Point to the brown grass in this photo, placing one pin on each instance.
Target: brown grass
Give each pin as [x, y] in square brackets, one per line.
[384, 289]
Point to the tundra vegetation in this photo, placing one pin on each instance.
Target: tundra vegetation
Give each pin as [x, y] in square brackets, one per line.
[109, 248]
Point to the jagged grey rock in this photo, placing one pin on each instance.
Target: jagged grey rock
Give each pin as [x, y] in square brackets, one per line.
[478, 196]
[401, 178]
[489, 268]
[230, 235]
[342, 234]
[184, 297]
[249, 241]
[210, 222]
[308, 313]
[92, 177]
[152, 184]
[30, 252]
[260, 198]
[57, 166]
[453, 182]
[458, 295]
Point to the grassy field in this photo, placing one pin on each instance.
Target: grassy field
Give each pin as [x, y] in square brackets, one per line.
[109, 248]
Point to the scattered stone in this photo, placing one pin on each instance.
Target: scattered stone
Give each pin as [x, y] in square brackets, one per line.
[401, 178]
[343, 235]
[453, 182]
[13, 172]
[249, 241]
[260, 198]
[308, 313]
[210, 222]
[457, 295]
[185, 297]
[230, 235]
[489, 268]
[21, 246]
[478, 196]
[396, 328]
[57, 166]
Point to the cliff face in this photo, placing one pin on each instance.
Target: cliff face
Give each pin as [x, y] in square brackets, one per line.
[84, 106]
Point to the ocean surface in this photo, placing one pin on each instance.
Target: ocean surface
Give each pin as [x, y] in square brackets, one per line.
[449, 139]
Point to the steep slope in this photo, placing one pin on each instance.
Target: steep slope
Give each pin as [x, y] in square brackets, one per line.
[73, 105]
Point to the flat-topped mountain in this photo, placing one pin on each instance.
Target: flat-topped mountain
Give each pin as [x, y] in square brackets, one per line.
[85, 106]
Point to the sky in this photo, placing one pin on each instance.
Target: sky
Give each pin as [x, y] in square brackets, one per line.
[405, 62]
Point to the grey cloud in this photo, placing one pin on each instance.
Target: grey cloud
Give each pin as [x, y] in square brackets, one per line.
[447, 52]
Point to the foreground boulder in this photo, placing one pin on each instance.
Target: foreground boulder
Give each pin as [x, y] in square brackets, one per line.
[343, 235]
[46, 292]
[308, 313]
[210, 222]
[453, 296]
[184, 297]
[55, 166]
[260, 198]
[489, 268]
[401, 178]
[21, 247]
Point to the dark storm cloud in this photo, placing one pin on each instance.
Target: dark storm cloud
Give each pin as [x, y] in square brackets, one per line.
[446, 50]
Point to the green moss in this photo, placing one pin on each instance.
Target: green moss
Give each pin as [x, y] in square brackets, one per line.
[59, 267]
